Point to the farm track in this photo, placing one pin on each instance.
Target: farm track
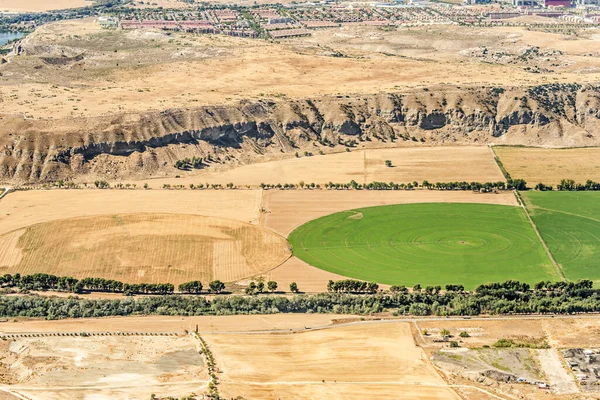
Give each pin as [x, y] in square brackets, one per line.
[556, 266]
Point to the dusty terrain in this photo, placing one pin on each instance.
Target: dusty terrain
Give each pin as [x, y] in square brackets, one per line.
[144, 248]
[120, 104]
[41, 5]
[378, 360]
[409, 164]
[550, 166]
[103, 367]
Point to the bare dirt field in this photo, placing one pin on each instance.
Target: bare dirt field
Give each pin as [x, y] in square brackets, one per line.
[549, 166]
[103, 367]
[166, 324]
[151, 248]
[435, 164]
[41, 5]
[379, 361]
[138, 71]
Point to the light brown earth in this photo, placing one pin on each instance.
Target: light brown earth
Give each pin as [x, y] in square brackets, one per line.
[378, 361]
[103, 367]
[153, 70]
[169, 324]
[41, 5]
[144, 248]
[559, 332]
[435, 164]
[549, 166]
[24, 208]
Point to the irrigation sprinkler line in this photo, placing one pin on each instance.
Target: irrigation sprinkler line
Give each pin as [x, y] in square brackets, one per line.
[557, 267]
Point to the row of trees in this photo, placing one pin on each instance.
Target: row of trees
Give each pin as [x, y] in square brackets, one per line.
[352, 286]
[569, 184]
[507, 298]
[518, 184]
[44, 282]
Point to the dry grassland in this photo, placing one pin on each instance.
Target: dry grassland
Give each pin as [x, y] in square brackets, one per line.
[374, 361]
[153, 70]
[41, 5]
[435, 164]
[549, 166]
[103, 367]
[150, 248]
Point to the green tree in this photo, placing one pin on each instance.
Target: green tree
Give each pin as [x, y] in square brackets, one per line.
[464, 334]
[216, 286]
[272, 286]
[294, 287]
[445, 332]
[388, 163]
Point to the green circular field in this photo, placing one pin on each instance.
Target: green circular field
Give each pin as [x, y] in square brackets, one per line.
[426, 243]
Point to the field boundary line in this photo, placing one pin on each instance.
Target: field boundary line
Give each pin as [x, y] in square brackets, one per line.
[557, 266]
[499, 163]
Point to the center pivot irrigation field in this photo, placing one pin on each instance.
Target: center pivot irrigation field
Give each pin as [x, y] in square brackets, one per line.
[569, 222]
[427, 243]
[149, 248]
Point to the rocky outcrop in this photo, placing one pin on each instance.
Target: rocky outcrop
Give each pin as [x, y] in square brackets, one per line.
[147, 144]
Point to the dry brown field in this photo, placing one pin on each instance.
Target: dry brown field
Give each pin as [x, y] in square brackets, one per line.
[153, 70]
[41, 5]
[102, 367]
[435, 164]
[21, 209]
[374, 361]
[549, 166]
[149, 248]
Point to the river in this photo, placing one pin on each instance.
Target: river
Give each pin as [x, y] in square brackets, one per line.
[6, 36]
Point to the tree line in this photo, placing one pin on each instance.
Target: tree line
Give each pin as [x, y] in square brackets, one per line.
[510, 297]
[45, 282]
[570, 185]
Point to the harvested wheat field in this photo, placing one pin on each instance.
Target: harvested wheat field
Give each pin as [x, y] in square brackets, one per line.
[549, 166]
[21, 209]
[379, 361]
[105, 367]
[435, 164]
[150, 248]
